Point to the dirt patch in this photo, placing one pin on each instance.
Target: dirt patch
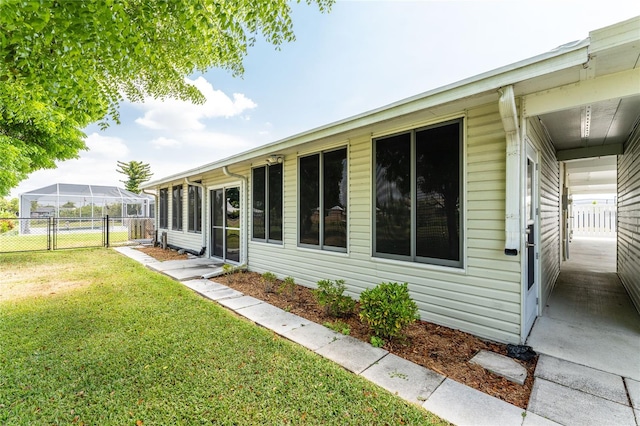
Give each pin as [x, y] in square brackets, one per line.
[161, 254]
[21, 290]
[438, 348]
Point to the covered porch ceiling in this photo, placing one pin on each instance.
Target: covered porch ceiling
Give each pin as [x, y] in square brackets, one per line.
[588, 138]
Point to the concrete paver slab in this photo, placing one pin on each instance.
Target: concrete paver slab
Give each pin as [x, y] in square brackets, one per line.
[185, 264]
[462, 405]
[136, 255]
[633, 387]
[501, 365]
[240, 302]
[273, 318]
[532, 419]
[410, 381]
[572, 407]
[201, 285]
[313, 336]
[221, 294]
[588, 345]
[182, 274]
[353, 354]
[585, 379]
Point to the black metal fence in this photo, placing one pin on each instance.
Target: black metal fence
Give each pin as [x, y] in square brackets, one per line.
[55, 233]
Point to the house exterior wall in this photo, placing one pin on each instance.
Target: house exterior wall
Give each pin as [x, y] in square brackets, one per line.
[180, 238]
[549, 199]
[482, 298]
[629, 217]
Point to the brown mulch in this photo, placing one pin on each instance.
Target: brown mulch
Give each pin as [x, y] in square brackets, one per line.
[441, 349]
[160, 254]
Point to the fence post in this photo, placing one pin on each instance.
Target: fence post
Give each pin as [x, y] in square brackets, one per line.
[106, 227]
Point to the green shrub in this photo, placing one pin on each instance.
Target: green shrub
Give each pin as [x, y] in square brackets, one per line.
[288, 287]
[7, 224]
[230, 271]
[269, 280]
[387, 308]
[339, 327]
[377, 342]
[329, 295]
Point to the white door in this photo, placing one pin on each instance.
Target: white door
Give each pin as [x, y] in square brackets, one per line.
[531, 282]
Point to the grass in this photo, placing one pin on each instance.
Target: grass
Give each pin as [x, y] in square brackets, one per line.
[119, 344]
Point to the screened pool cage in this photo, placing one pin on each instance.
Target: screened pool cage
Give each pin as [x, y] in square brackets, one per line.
[86, 203]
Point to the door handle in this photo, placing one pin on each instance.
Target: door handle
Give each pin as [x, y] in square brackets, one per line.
[530, 245]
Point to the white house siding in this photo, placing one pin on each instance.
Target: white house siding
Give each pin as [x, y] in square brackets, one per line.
[629, 217]
[549, 191]
[483, 298]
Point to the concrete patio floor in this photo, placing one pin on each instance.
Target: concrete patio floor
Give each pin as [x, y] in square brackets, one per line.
[589, 340]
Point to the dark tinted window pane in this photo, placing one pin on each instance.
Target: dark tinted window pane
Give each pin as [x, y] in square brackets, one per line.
[217, 204]
[195, 208]
[309, 200]
[176, 221]
[335, 198]
[438, 192]
[164, 207]
[393, 195]
[233, 207]
[275, 202]
[233, 245]
[217, 243]
[259, 208]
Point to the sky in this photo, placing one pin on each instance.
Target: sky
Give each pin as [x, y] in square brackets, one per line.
[360, 56]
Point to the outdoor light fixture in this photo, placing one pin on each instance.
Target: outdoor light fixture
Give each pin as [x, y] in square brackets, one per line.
[275, 159]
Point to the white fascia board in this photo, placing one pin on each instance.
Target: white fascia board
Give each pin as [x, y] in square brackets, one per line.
[564, 57]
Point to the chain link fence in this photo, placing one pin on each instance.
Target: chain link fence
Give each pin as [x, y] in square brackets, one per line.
[56, 233]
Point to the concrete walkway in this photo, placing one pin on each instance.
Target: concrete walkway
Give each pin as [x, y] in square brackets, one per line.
[448, 399]
[589, 340]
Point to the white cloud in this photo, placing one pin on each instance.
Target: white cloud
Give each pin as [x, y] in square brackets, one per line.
[163, 142]
[174, 114]
[105, 146]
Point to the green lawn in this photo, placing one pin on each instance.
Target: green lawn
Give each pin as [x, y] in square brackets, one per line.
[118, 344]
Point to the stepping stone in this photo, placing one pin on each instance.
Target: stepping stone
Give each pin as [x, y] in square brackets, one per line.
[313, 336]
[633, 387]
[501, 365]
[351, 353]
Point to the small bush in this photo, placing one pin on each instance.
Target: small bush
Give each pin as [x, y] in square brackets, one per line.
[269, 280]
[387, 309]
[230, 270]
[377, 342]
[288, 287]
[329, 295]
[339, 327]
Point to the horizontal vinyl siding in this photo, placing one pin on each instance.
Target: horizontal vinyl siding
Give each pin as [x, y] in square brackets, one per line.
[483, 298]
[549, 196]
[629, 217]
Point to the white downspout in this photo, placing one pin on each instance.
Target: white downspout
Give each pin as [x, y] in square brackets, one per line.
[509, 115]
[202, 208]
[244, 257]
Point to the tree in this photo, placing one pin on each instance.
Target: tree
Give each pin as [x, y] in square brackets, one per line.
[66, 64]
[10, 205]
[137, 171]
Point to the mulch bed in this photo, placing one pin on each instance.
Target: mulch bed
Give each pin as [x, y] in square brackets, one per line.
[441, 349]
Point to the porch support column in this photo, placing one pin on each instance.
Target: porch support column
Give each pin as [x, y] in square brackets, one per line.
[509, 115]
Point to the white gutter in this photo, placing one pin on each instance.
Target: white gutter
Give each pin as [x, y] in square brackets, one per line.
[244, 251]
[509, 115]
[202, 207]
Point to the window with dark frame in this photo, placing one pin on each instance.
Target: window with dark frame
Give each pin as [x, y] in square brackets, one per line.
[163, 206]
[195, 209]
[418, 189]
[176, 220]
[322, 200]
[267, 203]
